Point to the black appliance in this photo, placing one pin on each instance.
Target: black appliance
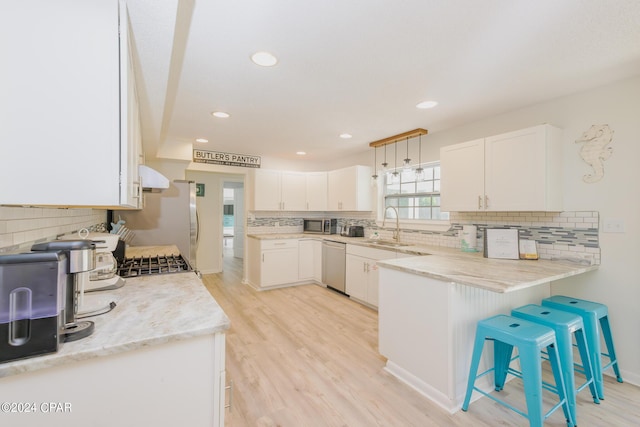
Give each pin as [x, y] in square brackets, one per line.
[159, 264]
[32, 288]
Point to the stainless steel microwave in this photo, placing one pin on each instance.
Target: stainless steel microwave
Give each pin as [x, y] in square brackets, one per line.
[320, 226]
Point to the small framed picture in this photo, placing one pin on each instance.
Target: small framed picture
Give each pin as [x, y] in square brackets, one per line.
[502, 243]
[528, 249]
[199, 190]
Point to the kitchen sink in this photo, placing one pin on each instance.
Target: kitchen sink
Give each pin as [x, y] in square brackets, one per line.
[391, 243]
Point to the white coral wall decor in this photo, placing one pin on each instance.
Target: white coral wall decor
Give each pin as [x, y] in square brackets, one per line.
[595, 150]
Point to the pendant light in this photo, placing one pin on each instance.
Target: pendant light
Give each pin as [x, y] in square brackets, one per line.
[395, 176]
[385, 164]
[419, 169]
[374, 177]
[406, 165]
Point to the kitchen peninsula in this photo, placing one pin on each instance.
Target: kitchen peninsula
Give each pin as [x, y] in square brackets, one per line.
[156, 359]
[429, 307]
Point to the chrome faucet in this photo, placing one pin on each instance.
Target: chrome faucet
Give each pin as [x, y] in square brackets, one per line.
[396, 233]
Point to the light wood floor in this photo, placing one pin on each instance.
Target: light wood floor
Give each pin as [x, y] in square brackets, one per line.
[307, 356]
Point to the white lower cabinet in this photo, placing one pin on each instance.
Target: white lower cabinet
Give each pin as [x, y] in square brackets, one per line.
[310, 260]
[272, 263]
[142, 387]
[362, 272]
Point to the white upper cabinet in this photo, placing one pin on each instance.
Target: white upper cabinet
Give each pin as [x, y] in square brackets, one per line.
[515, 171]
[277, 191]
[289, 191]
[294, 191]
[316, 191]
[349, 189]
[130, 126]
[267, 186]
[462, 176]
[60, 106]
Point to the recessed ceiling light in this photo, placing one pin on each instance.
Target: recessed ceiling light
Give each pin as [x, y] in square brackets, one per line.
[345, 135]
[426, 104]
[202, 140]
[264, 59]
[220, 114]
[301, 153]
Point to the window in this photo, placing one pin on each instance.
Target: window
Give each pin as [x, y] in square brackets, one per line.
[415, 199]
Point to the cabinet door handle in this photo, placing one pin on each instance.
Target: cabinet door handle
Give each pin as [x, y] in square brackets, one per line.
[486, 202]
[479, 202]
[230, 388]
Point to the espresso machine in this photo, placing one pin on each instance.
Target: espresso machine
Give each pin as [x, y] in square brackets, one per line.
[81, 259]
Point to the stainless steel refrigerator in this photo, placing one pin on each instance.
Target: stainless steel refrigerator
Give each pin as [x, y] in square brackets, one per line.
[167, 218]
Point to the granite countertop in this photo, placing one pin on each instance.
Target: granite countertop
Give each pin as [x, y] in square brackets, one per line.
[452, 265]
[150, 310]
[496, 275]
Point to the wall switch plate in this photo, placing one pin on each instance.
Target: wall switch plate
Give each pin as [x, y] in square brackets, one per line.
[612, 225]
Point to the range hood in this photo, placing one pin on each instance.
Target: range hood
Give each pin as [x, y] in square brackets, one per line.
[151, 179]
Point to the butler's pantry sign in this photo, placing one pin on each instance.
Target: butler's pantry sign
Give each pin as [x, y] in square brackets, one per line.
[226, 159]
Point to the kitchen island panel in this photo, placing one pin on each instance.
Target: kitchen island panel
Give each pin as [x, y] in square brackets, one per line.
[427, 328]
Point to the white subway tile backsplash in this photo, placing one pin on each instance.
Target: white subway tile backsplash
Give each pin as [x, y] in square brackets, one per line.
[21, 227]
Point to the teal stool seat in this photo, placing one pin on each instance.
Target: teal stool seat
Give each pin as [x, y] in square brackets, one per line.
[530, 339]
[566, 325]
[595, 316]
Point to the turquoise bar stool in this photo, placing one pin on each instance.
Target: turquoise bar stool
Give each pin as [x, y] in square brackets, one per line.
[566, 325]
[530, 339]
[595, 316]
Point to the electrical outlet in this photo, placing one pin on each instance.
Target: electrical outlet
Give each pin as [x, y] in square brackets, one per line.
[276, 224]
[612, 225]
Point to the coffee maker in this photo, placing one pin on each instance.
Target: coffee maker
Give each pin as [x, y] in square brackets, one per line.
[81, 259]
[32, 287]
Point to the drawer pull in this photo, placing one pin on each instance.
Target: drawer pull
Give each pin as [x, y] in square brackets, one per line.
[230, 389]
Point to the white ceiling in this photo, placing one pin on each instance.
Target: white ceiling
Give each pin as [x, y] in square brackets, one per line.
[361, 66]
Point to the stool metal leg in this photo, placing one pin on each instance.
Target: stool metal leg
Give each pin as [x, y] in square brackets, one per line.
[587, 365]
[592, 333]
[561, 387]
[565, 352]
[478, 347]
[501, 360]
[608, 339]
[532, 377]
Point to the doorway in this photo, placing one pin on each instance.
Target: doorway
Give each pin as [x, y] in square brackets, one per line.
[210, 204]
[233, 219]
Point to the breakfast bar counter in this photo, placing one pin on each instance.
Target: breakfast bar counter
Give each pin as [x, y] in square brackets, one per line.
[429, 307]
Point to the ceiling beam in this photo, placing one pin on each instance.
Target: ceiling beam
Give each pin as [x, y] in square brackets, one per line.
[399, 137]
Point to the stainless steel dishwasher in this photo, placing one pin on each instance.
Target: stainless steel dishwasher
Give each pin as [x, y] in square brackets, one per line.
[333, 265]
